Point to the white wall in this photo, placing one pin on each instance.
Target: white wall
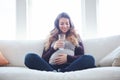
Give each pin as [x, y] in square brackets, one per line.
[89, 18]
[21, 19]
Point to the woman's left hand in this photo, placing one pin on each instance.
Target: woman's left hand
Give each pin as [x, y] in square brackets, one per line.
[61, 59]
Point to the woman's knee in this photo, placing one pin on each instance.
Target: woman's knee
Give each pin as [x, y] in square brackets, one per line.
[30, 57]
[89, 59]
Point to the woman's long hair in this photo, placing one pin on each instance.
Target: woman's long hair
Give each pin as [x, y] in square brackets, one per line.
[71, 35]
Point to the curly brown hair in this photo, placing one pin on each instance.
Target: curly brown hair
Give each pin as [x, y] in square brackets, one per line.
[71, 35]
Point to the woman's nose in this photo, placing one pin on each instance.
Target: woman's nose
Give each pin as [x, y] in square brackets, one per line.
[65, 26]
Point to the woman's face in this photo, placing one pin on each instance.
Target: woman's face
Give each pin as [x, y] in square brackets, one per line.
[64, 25]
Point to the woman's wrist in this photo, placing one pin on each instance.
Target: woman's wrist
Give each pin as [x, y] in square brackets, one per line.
[55, 48]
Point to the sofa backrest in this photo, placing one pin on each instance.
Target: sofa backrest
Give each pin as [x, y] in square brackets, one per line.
[100, 47]
[15, 50]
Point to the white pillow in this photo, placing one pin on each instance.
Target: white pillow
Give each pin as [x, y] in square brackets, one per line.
[53, 57]
[109, 59]
[116, 61]
[68, 49]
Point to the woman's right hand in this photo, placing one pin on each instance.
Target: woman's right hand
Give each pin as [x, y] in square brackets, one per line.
[58, 44]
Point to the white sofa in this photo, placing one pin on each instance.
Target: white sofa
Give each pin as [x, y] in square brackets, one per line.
[15, 52]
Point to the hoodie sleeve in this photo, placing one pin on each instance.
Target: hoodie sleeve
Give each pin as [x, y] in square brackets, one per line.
[78, 52]
[46, 54]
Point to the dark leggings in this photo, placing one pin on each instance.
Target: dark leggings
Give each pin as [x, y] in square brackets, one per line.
[33, 61]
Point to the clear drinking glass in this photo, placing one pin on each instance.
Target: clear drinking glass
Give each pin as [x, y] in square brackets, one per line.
[62, 37]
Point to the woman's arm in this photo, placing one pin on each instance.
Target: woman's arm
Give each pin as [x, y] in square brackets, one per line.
[46, 54]
[78, 52]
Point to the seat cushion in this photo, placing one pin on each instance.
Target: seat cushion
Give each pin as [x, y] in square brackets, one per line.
[21, 73]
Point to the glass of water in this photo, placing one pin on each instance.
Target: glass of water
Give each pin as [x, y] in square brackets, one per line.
[62, 37]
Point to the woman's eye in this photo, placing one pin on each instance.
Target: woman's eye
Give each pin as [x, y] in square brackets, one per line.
[62, 24]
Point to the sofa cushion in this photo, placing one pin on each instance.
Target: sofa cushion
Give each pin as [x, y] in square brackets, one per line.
[100, 47]
[15, 50]
[3, 60]
[110, 58]
[20, 73]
